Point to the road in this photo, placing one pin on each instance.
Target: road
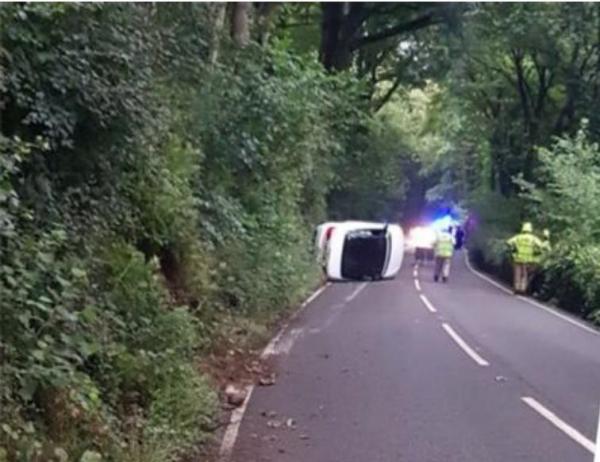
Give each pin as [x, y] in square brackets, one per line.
[412, 370]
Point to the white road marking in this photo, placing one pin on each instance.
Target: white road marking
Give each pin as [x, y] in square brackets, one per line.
[233, 427]
[560, 424]
[484, 277]
[271, 349]
[357, 291]
[466, 348]
[418, 285]
[427, 303]
[535, 303]
[285, 344]
[597, 456]
[415, 273]
[235, 420]
[318, 292]
[559, 315]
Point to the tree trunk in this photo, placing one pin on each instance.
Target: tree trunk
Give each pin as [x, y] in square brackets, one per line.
[340, 24]
[240, 23]
[331, 26]
[265, 12]
[218, 11]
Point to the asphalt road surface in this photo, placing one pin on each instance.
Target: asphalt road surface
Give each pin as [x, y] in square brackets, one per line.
[412, 370]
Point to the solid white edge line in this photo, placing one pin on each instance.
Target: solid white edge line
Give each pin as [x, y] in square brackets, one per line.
[564, 317]
[484, 277]
[317, 292]
[597, 456]
[427, 303]
[560, 424]
[418, 285]
[235, 419]
[532, 302]
[233, 427]
[357, 291]
[464, 346]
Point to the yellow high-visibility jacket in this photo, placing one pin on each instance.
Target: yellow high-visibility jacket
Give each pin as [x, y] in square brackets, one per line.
[526, 248]
[444, 245]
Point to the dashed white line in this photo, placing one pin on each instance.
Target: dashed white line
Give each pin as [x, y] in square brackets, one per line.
[357, 291]
[560, 424]
[427, 303]
[418, 285]
[233, 427]
[597, 456]
[415, 273]
[464, 346]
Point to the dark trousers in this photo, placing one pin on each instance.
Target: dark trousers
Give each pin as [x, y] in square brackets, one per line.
[442, 267]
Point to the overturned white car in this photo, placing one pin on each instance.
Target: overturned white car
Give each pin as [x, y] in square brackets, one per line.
[359, 250]
[322, 235]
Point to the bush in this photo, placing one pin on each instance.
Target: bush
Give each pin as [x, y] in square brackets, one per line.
[565, 198]
[145, 193]
[496, 220]
[572, 279]
[568, 189]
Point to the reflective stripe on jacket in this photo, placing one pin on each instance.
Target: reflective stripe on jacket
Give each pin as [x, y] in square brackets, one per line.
[526, 248]
[444, 245]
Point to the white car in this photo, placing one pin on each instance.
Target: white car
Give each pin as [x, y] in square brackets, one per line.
[322, 235]
[359, 250]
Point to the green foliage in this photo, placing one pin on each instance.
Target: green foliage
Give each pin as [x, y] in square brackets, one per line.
[572, 279]
[148, 190]
[373, 172]
[182, 406]
[93, 79]
[524, 74]
[277, 141]
[505, 121]
[570, 174]
[497, 219]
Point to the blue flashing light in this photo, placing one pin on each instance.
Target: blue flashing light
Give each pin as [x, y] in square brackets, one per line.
[443, 223]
